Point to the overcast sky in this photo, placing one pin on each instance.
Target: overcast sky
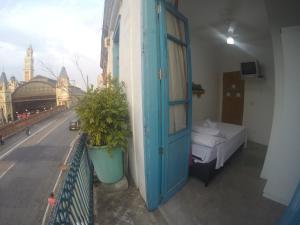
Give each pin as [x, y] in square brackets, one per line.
[58, 30]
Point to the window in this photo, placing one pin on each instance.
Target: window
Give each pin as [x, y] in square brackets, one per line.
[116, 49]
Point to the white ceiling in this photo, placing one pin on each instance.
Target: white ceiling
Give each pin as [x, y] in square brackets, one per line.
[210, 19]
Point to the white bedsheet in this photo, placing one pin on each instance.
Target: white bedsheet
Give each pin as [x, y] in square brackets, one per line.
[235, 135]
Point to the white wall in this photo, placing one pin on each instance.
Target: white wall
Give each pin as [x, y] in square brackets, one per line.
[130, 73]
[204, 69]
[281, 167]
[259, 94]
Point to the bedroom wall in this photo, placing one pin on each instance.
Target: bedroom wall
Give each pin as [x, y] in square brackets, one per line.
[281, 167]
[259, 94]
[130, 73]
[204, 69]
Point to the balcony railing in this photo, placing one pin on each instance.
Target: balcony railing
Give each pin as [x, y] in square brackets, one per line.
[74, 202]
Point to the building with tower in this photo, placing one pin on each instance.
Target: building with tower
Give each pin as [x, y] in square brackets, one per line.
[28, 65]
[35, 93]
[6, 111]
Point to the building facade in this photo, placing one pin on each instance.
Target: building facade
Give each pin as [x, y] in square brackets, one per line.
[6, 112]
[146, 43]
[12, 84]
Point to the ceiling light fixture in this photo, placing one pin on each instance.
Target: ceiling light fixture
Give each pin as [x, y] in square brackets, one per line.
[230, 40]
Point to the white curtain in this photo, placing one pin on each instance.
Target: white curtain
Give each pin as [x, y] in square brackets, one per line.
[177, 74]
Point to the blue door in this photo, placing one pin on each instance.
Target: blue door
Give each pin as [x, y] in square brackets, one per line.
[175, 76]
[291, 215]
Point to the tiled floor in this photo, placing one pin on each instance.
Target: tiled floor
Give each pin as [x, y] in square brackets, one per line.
[234, 197]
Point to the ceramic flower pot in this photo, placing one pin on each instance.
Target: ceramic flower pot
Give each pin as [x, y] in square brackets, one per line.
[108, 166]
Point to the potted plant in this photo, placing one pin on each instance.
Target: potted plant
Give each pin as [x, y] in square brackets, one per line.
[104, 117]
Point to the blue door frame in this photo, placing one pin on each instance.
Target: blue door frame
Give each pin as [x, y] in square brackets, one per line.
[153, 40]
[151, 99]
[116, 49]
[291, 215]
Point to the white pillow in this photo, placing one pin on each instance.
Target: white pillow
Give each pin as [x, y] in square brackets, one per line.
[210, 124]
[206, 130]
[207, 140]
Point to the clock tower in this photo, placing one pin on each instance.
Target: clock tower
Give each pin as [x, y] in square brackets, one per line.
[28, 65]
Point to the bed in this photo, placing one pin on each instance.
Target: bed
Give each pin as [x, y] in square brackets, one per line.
[211, 151]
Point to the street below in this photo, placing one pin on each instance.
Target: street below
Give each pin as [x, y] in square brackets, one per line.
[29, 169]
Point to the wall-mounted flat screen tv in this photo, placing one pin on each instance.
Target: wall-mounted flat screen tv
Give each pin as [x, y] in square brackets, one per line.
[250, 69]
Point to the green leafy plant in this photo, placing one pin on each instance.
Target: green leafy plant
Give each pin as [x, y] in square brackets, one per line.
[104, 116]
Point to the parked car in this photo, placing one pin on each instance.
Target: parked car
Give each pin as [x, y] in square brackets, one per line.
[74, 124]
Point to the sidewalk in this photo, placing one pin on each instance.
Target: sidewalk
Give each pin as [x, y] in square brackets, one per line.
[123, 208]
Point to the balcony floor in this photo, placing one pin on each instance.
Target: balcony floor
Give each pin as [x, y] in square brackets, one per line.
[233, 197]
[123, 208]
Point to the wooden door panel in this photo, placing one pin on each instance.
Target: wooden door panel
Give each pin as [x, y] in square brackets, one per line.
[233, 98]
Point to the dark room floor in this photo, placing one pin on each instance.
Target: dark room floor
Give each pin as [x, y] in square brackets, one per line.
[233, 197]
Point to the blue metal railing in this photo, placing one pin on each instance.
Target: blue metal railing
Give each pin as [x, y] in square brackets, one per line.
[74, 202]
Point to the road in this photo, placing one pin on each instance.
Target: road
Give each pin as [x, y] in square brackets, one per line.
[29, 168]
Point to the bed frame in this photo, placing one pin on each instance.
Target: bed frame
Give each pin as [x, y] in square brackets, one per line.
[206, 171]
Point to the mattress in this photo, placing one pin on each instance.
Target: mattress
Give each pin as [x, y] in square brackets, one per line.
[235, 137]
[203, 154]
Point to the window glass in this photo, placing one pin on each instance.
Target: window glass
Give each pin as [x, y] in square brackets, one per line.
[177, 72]
[175, 27]
[177, 118]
